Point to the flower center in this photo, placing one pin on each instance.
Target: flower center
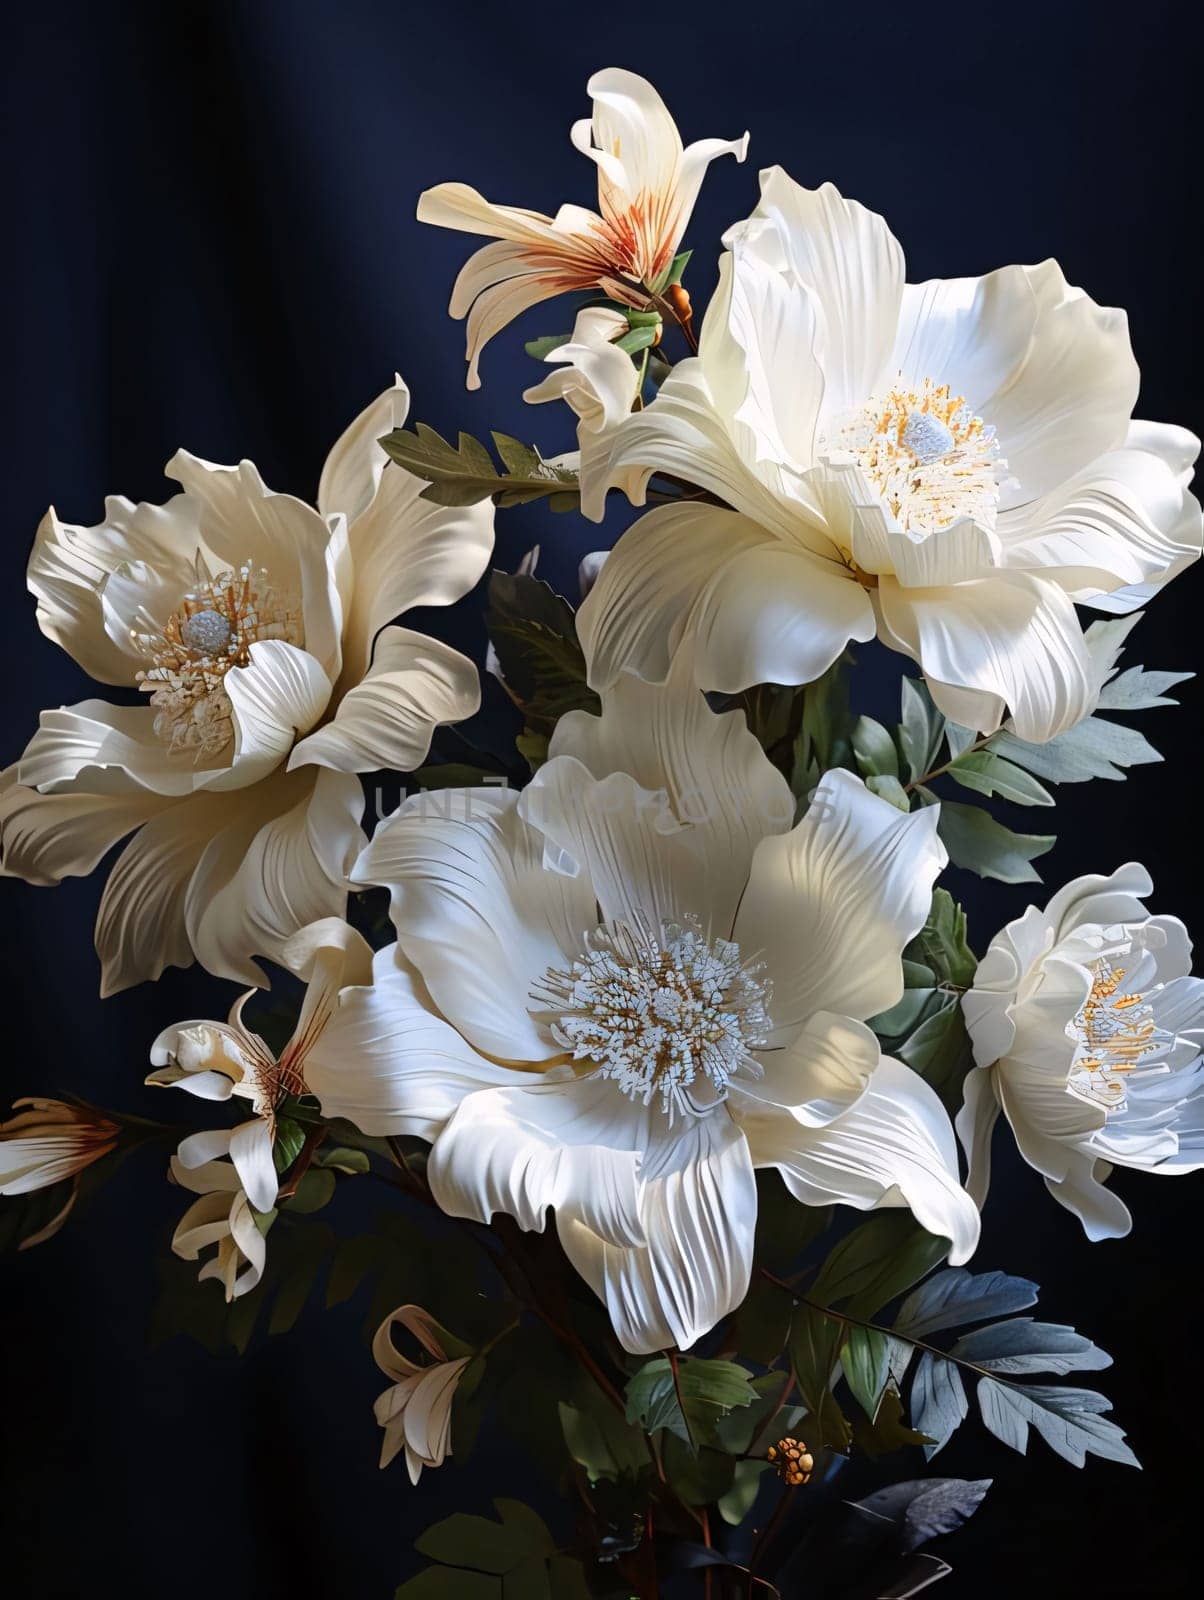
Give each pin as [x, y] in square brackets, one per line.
[210, 631]
[929, 457]
[1113, 1030]
[664, 1012]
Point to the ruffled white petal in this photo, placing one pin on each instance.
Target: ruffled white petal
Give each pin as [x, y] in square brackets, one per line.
[894, 1147]
[699, 1209]
[1011, 644]
[830, 905]
[353, 469]
[478, 913]
[387, 720]
[389, 1063]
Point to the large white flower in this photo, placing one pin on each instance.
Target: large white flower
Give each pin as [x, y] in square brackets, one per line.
[619, 994]
[647, 186]
[233, 1170]
[1087, 1033]
[951, 465]
[257, 624]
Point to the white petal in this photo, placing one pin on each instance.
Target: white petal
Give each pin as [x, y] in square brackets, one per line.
[774, 614]
[352, 473]
[699, 1212]
[414, 684]
[407, 552]
[242, 519]
[895, 1147]
[251, 1153]
[389, 1063]
[1125, 522]
[639, 611]
[47, 837]
[831, 905]
[821, 1072]
[477, 912]
[1008, 643]
[1071, 397]
[427, 1417]
[847, 260]
[282, 863]
[70, 566]
[278, 696]
[975, 1124]
[574, 1146]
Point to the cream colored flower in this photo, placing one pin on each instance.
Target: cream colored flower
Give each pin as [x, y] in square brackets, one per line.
[47, 1142]
[951, 466]
[647, 186]
[257, 624]
[598, 384]
[1088, 1034]
[621, 992]
[416, 1411]
[232, 1169]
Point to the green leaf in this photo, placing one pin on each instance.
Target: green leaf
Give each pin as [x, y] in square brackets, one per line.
[342, 1159]
[1135, 689]
[676, 268]
[708, 1389]
[889, 788]
[988, 773]
[1069, 1420]
[315, 1190]
[920, 728]
[976, 841]
[635, 341]
[888, 1431]
[941, 945]
[865, 1357]
[485, 1546]
[939, 1049]
[1093, 748]
[449, 1583]
[815, 1341]
[875, 1262]
[542, 347]
[290, 1136]
[735, 1505]
[874, 749]
[599, 1440]
[823, 737]
[697, 1478]
[464, 474]
[534, 632]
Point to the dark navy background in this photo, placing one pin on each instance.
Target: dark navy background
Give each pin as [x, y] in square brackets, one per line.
[212, 244]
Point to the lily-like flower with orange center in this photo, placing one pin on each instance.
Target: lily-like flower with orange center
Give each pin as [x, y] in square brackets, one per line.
[647, 186]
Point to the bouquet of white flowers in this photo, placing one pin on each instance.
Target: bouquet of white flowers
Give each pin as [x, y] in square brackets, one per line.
[670, 992]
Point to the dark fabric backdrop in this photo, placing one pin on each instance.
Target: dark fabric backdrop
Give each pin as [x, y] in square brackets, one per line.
[212, 244]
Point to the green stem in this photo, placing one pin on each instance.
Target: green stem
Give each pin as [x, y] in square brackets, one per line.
[938, 772]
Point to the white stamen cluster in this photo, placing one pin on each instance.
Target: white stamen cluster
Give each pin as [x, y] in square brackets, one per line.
[210, 631]
[666, 1013]
[929, 457]
[1113, 1030]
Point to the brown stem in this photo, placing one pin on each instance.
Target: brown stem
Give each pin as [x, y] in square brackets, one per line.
[763, 1538]
[301, 1165]
[938, 772]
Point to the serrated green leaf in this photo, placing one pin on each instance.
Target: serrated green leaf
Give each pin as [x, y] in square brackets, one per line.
[1135, 689]
[1069, 1420]
[601, 1441]
[1093, 748]
[708, 1390]
[464, 474]
[520, 460]
[953, 1297]
[534, 632]
[874, 749]
[876, 1261]
[888, 1431]
[976, 841]
[989, 774]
